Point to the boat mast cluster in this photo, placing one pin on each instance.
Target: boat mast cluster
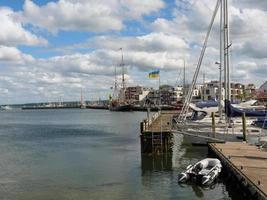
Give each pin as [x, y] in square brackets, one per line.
[224, 59]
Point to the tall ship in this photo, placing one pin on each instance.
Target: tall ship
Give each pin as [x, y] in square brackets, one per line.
[117, 99]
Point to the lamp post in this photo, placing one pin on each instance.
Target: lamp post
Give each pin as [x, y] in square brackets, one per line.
[220, 91]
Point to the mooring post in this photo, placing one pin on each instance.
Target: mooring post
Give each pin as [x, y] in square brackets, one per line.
[244, 127]
[148, 114]
[141, 127]
[213, 124]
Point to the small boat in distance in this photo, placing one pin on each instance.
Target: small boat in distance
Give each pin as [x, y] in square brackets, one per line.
[203, 172]
[5, 108]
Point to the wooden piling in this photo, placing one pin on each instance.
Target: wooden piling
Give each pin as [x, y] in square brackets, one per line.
[213, 124]
[244, 127]
[141, 127]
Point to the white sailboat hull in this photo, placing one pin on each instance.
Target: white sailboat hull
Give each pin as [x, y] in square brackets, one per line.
[196, 138]
[203, 137]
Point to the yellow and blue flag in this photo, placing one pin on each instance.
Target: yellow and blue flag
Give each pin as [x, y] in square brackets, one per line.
[154, 74]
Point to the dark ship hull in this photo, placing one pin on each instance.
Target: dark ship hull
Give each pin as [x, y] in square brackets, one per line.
[120, 108]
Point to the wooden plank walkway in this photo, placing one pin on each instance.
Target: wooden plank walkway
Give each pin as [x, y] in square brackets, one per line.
[163, 123]
[247, 161]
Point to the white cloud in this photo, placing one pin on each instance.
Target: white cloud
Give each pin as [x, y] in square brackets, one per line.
[3, 91]
[93, 71]
[253, 49]
[166, 44]
[258, 4]
[12, 54]
[247, 33]
[79, 63]
[153, 42]
[154, 50]
[87, 15]
[136, 8]
[13, 33]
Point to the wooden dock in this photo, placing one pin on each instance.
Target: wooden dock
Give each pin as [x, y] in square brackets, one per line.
[156, 134]
[159, 122]
[248, 165]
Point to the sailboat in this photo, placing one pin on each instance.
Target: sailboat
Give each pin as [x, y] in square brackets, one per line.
[249, 112]
[202, 133]
[6, 107]
[117, 100]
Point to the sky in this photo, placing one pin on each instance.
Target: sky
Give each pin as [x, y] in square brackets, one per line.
[50, 50]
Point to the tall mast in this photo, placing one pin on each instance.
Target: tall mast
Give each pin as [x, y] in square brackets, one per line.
[82, 103]
[224, 61]
[184, 73]
[122, 65]
[204, 87]
[227, 84]
[184, 95]
[227, 50]
[115, 92]
[204, 78]
[221, 61]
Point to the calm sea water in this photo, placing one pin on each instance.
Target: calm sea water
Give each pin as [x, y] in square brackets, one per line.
[89, 154]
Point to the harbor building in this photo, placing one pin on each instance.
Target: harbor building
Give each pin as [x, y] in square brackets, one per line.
[249, 91]
[136, 94]
[179, 92]
[211, 90]
[261, 94]
[263, 87]
[169, 95]
[153, 97]
[197, 92]
[237, 91]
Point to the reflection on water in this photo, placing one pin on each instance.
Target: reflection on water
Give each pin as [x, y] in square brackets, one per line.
[89, 154]
[156, 163]
[156, 168]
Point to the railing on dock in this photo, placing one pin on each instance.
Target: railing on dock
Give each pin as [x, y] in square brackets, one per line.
[148, 122]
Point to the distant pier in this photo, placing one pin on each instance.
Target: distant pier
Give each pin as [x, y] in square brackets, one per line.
[69, 106]
[246, 165]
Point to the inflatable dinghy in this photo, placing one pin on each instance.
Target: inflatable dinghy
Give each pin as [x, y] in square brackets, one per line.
[203, 172]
